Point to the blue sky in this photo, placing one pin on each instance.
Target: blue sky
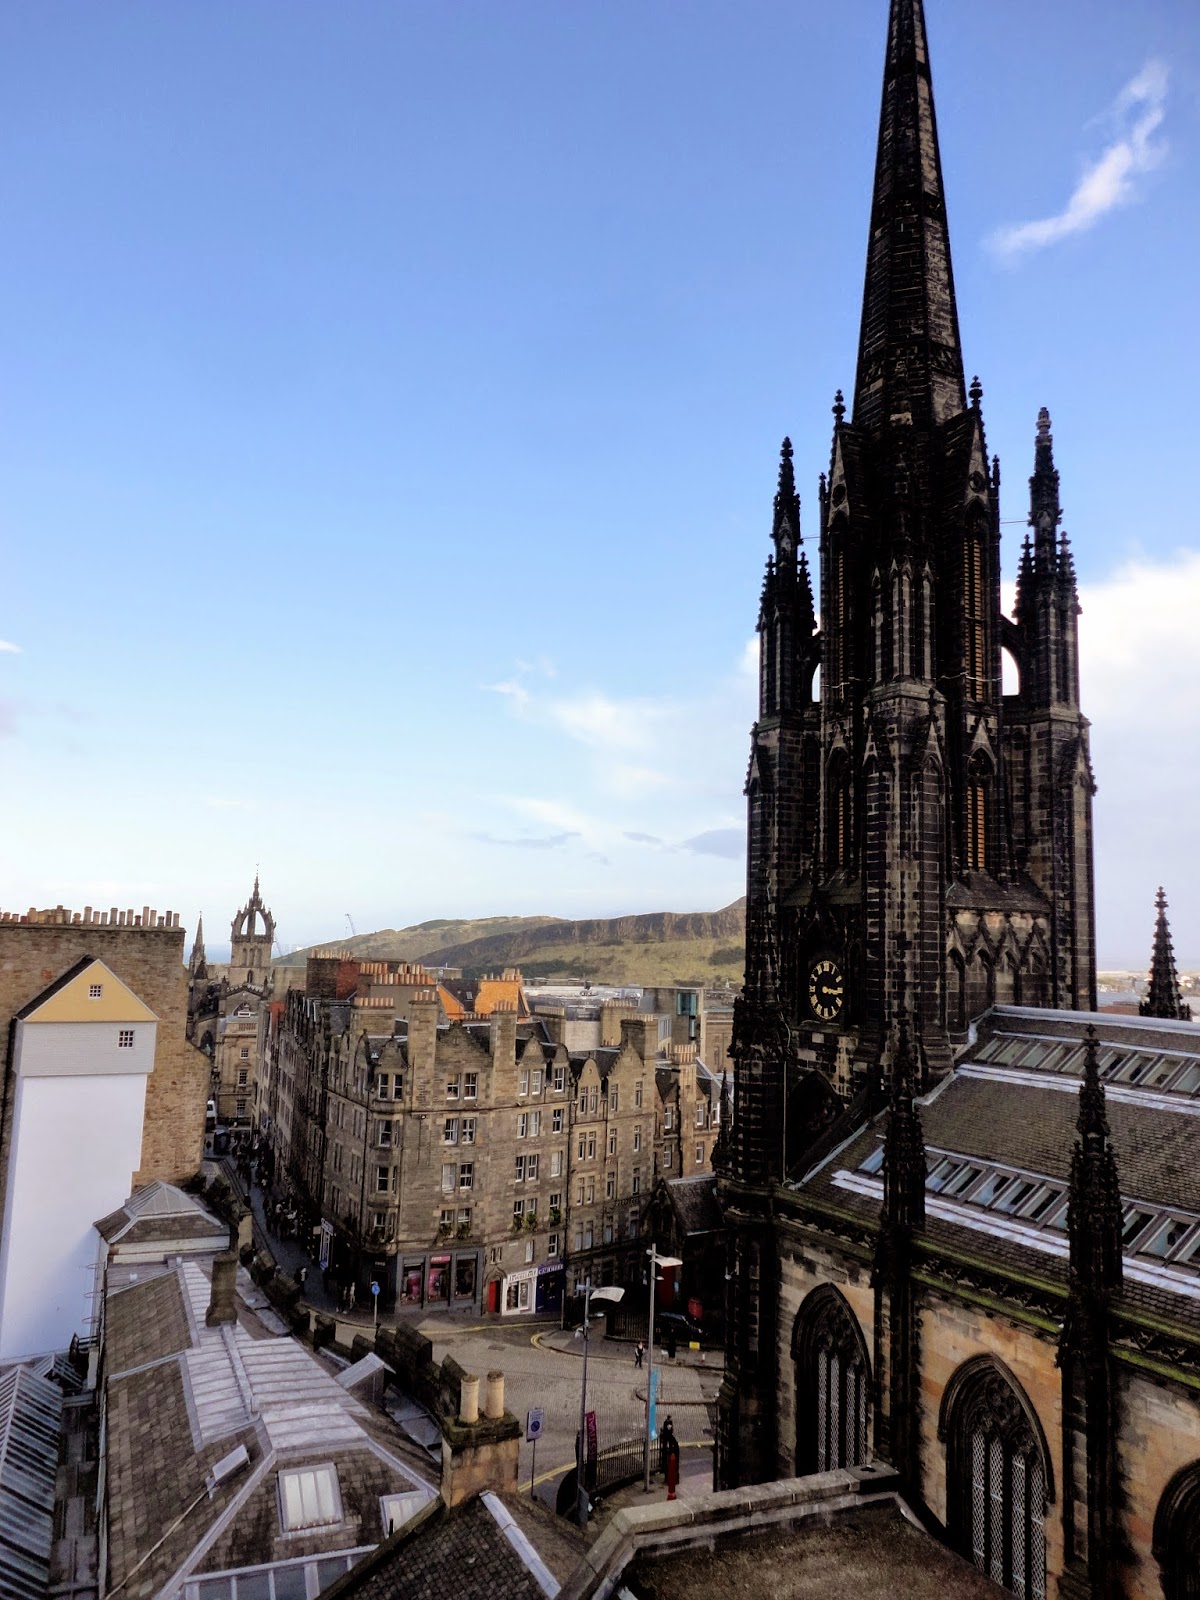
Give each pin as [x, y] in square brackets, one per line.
[390, 397]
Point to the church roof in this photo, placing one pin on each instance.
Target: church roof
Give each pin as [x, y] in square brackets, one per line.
[999, 1135]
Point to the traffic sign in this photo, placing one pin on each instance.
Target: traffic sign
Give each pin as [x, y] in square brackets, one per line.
[374, 1288]
[534, 1422]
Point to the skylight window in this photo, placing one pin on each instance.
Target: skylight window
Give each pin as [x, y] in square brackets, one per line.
[309, 1498]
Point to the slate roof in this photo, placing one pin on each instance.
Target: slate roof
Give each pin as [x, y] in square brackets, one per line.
[872, 1554]
[154, 1474]
[181, 1396]
[694, 1201]
[462, 1552]
[1020, 1117]
[145, 1323]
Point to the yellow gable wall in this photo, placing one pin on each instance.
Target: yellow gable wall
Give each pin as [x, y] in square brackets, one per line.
[72, 1003]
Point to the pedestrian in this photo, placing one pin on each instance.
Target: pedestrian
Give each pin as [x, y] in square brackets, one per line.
[639, 1353]
[671, 1343]
[351, 1297]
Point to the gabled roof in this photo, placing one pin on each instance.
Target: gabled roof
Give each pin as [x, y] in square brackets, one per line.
[181, 1396]
[69, 998]
[467, 1552]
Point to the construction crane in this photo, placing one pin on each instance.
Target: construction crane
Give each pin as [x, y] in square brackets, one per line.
[353, 929]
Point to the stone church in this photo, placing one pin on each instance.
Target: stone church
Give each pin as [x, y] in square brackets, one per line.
[227, 1010]
[963, 1208]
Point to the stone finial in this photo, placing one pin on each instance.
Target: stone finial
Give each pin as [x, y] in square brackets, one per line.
[976, 392]
[839, 407]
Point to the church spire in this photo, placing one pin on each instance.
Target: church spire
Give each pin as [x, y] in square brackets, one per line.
[786, 529]
[1045, 511]
[198, 964]
[910, 365]
[1164, 998]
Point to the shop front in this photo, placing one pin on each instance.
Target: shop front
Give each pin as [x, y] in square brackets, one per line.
[550, 1279]
[519, 1291]
[442, 1278]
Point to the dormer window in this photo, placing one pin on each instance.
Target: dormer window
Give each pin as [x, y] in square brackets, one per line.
[309, 1499]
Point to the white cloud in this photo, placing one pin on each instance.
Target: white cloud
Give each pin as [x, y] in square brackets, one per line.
[1139, 671]
[7, 648]
[1110, 180]
[1140, 648]
[603, 723]
[513, 691]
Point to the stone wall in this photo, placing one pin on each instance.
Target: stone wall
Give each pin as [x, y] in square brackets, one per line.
[150, 961]
[1159, 1431]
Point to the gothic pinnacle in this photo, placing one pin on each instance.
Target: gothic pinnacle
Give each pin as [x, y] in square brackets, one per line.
[1163, 998]
[1094, 1213]
[976, 393]
[839, 407]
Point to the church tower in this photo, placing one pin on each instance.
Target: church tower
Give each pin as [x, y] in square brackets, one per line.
[919, 842]
[252, 934]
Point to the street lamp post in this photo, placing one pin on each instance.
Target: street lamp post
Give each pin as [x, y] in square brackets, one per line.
[656, 1261]
[589, 1294]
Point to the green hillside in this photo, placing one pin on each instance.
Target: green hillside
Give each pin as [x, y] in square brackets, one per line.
[660, 947]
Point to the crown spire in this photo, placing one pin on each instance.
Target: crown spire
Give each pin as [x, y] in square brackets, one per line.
[1164, 998]
[910, 367]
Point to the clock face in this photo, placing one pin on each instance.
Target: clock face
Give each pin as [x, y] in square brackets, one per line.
[826, 990]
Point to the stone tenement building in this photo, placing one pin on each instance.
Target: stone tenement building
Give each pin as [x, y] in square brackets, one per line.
[478, 1161]
[145, 951]
[963, 1208]
[227, 1015]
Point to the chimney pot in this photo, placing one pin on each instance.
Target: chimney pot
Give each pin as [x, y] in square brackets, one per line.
[468, 1399]
[494, 1404]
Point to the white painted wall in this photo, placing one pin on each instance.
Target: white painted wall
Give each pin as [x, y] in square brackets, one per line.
[76, 1143]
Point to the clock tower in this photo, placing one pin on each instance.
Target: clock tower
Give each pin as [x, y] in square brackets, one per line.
[919, 842]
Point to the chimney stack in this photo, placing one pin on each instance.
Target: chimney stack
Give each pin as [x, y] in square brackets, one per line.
[222, 1305]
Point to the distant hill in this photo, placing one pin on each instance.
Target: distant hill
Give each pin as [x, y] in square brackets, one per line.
[659, 947]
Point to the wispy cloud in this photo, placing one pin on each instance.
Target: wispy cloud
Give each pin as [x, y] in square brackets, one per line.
[549, 841]
[728, 843]
[513, 691]
[1110, 180]
[8, 648]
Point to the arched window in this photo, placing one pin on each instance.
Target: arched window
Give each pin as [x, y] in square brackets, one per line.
[1177, 1535]
[996, 1477]
[833, 1377]
[977, 821]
